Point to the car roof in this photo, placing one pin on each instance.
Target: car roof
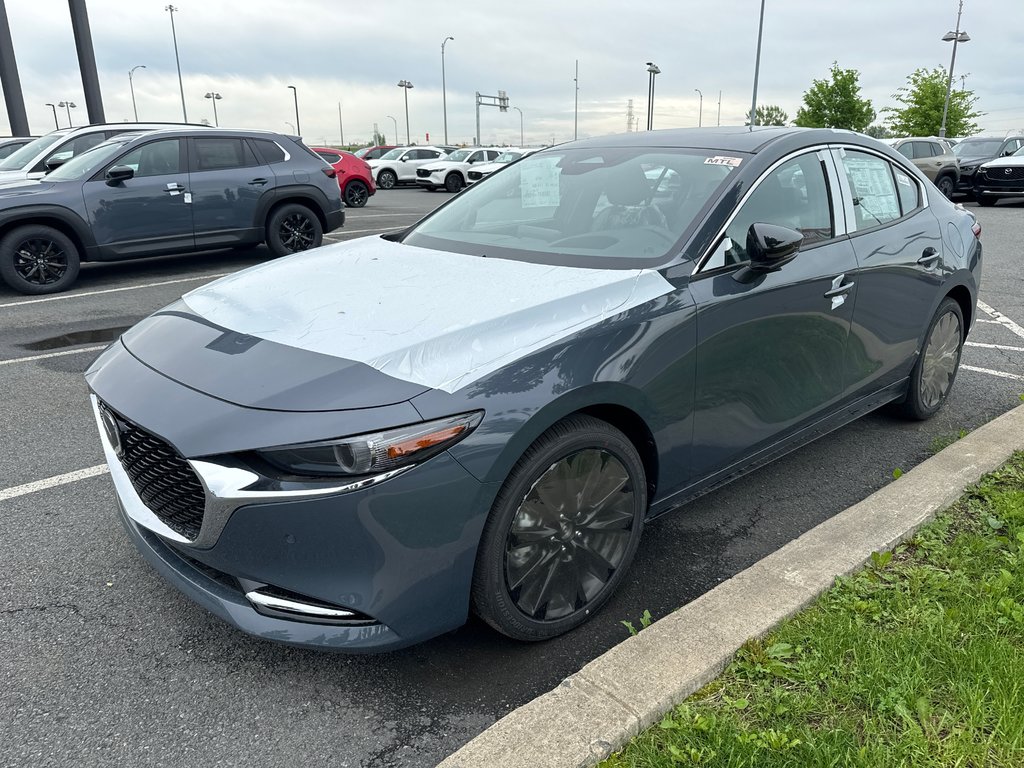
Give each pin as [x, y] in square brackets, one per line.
[734, 138]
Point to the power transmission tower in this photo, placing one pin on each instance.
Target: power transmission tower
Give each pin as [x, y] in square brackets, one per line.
[630, 117]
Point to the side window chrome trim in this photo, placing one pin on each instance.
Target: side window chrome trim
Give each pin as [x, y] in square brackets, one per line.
[821, 151]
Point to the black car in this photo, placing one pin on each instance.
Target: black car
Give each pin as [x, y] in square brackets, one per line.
[161, 192]
[975, 151]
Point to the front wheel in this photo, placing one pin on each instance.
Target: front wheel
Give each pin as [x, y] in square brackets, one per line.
[936, 367]
[36, 259]
[293, 228]
[562, 532]
[356, 194]
[386, 179]
[453, 182]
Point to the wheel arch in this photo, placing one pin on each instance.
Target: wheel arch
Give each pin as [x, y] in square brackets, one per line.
[301, 198]
[64, 222]
[962, 295]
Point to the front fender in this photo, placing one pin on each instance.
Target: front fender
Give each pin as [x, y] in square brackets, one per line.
[63, 218]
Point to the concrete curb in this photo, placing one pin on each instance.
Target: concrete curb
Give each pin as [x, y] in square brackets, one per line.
[600, 708]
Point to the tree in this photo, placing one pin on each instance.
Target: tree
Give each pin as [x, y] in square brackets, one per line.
[770, 114]
[921, 111]
[878, 131]
[379, 138]
[836, 103]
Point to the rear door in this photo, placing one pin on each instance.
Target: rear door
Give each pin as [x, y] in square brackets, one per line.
[227, 183]
[147, 214]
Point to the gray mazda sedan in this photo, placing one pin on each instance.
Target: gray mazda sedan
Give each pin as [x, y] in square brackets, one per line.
[356, 446]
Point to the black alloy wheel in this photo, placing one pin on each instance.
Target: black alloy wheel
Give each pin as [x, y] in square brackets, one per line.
[293, 228]
[356, 194]
[945, 185]
[37, 259]
[453, 182]
[937, 364]
[562, 532]
[386, 179]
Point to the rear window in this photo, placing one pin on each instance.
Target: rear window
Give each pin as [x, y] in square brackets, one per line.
[216, 154]
[269, 151]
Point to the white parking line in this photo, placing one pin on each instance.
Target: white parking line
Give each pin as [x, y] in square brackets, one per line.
[990, 372]
[63, 296]
[52, 354]
[50, 482]
[993, 346]
[362, 216]
[1002, 319]
[359, 231]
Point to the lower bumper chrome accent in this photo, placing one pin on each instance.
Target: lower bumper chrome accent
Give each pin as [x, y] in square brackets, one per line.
[292, 608]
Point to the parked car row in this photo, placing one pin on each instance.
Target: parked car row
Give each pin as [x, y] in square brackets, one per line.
[355, 179]
[10, 144]
[988, 153]
[125, 191]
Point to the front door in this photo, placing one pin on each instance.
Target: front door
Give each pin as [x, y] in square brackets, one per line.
[771, 347]
[148, 214]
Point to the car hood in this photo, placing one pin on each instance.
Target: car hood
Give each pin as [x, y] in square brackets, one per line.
[422, 318]
[23, 187]
[445, 166]
[1014, 161]
[488, 167]
[6, 176]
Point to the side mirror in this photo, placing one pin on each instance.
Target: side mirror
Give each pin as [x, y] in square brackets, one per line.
[404, 158]
[1008, 152]
[55, 162]
[769, 246]
[118, 174]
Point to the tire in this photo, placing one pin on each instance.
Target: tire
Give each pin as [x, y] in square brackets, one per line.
[946, 185]
[37, 259]
[453, 182]
[935, 370]
[986, 202]
[356, 194]
[293, 228]
[541, 569]
[387, 179]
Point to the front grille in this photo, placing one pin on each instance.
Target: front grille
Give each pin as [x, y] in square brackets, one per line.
[423, 173]
[1016, 173]
[162, 478]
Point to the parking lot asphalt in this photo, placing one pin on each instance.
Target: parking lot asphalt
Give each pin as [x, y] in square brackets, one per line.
[105, 664]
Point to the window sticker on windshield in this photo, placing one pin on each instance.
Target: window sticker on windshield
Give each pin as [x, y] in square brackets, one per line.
[539, 184]
[732, 162]
[903, 179]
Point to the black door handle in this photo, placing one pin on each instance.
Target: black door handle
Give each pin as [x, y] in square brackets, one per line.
[839, 288]
[928, 257]
[175, 187]
[257, 182]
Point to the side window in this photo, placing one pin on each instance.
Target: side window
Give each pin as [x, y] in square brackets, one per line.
[871, 184]
[330, 157]
[492, 154]
[429, 154]
[269, 151]
[907, 149]
[220, 154]
[907, 190]
[921, 150]
[74, 147]
[157, 158]
[935, 148]
[794, 195]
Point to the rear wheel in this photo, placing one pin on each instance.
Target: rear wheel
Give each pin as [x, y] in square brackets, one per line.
[562, 532]
[945, 185]
[936, 367]
[38, 259]
[293, 228]
[386, 179]
[453, 182]
[356, 194]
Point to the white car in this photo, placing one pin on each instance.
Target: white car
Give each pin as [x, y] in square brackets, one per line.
[507, 156]
[399, 165]
[451, 173]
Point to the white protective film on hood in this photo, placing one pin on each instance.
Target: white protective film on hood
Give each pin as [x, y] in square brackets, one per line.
[443, 320]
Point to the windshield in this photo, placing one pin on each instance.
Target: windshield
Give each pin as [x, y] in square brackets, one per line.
[508, 157]
[614, 208]
[24, 156]
[459, 155]
[394, 154]
[361, 152]
[88, 162]
[977, 147]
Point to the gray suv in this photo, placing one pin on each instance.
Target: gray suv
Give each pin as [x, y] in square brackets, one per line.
[934, 158]
[161, 192]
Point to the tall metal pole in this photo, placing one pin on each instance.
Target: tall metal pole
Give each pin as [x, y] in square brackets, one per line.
[949, 81]
[576, 103]
[444, 93]
[719, 122]
[10, 80]
[393, 120]
[341, 125]
[54, 108]
[181, 86]
[131, 86]
[757, 69]
[522, 141]
[476, 140]
[86, 61]
[700, 109]
[652, 70]
[298, 125]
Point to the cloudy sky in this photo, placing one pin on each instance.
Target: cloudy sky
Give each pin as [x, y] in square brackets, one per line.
[249, 51]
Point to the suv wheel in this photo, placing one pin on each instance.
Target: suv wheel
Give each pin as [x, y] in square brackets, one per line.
[356, 194]
[293, 228]
[37, 259]
[945, 185]
[386, 179]
[453, 182]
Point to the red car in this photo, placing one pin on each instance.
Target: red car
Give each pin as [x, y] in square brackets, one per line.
[374, 152]
[354, 176]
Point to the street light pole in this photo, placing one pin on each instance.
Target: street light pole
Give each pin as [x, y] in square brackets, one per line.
[298, 125]
[653, 70]
[68, 105]
[341, 125]
[757, 69]
[576, 102]
[444, 94]
[700, 109]
[290, 126]
[719, 122]
[181, 86]
[522, 141]
[54, 108]
[956, 37]
[131, 87]
[405, 85]
[214, 97]
[397, 142]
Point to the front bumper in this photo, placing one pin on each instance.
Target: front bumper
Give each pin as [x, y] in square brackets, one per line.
[432, 182]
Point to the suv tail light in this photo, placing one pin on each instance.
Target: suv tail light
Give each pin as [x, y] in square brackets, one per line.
[329, 172]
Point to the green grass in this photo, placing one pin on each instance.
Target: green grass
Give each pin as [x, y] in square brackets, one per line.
[917, 660]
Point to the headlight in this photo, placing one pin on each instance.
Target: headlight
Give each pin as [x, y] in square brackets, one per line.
[968, 168]
[375, 453]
